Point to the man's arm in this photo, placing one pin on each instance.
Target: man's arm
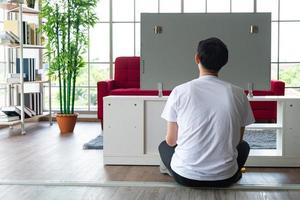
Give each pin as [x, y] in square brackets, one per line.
[242, 134]
[172, 133]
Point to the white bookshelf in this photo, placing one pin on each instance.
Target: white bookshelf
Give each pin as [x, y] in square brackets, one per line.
[25, 46]
[9, 5]
[26, 10]
[16, 6]
[26, 82]
[264, 126]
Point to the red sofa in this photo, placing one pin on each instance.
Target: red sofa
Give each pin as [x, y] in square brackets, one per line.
[127, 82]
[266, 111]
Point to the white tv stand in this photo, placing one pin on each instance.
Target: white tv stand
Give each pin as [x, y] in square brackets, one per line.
[133, 130]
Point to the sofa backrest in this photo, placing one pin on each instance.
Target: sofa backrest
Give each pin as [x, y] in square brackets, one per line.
[276, 89]
[127, 72]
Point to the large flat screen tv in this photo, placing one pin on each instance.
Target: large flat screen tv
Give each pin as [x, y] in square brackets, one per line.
[169, 42]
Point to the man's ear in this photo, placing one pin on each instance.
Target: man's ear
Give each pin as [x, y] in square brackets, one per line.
[197, 59]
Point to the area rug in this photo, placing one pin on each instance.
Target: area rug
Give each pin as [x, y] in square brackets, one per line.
[257, 139]
[96, 143]
[261, 139]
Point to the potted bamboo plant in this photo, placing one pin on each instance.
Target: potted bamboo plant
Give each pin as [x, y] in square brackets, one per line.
[65, 26]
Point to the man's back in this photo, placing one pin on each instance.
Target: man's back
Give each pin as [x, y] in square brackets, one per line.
[206, 119]
[209, 114]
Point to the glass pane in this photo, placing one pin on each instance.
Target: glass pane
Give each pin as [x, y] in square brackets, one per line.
[54, 98]
[218, 5]
[93, 100]
[54, 81]
[242, 6]
[170, 6]
[99, 43]
[123, 10]
[46, 98]
[1, 15]
[292, 92]
[2, 97]
[2, 53]
[145, 6]
[274, 42]
[82, 78]
[137, 39]
[98, 72]
[290, 74]
[274, 71]
[289, 42]
[2, 73]
[102, 10]
[194, 6]
[81, 98]
[289, 9]
[268, 6]
[261, 138]
[123, 37]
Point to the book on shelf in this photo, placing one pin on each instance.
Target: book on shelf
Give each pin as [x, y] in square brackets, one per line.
[11, 111]
[28, 112]
[14, 37]
[14, 75]
[11, 26]
[32, 34]
[34, 102]
[11, 1]
[28, 68]
[30, 31]
[16, 111]
[13, 78]
[7, 37]
[6, 118]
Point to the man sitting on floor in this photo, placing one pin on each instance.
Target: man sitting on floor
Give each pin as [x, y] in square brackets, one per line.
[206, 118]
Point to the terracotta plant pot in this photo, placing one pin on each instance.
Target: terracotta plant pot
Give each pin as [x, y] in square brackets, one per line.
[66, 122]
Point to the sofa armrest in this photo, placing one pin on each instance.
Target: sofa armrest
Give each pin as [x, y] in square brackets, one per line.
[103, 89]
[277, 87]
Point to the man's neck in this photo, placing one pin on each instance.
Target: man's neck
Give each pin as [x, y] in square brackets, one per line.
[207, 73]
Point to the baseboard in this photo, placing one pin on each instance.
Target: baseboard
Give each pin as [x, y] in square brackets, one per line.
[81, 118]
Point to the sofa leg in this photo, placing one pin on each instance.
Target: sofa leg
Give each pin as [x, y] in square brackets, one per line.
[101, 122]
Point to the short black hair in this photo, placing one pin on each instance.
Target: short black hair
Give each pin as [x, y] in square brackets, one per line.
[213, 53]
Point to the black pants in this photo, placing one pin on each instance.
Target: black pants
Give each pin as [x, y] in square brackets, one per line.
[166, 152]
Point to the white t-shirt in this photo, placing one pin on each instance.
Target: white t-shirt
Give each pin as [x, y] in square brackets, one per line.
[210, 113]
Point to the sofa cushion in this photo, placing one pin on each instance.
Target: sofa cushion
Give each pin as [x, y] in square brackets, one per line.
[127, 72]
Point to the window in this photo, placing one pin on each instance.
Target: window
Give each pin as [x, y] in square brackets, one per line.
[170, 6]
[118, 34]
[289, 41]
[218, 6]
[242, 6]
[194, 6]
[289, 10]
